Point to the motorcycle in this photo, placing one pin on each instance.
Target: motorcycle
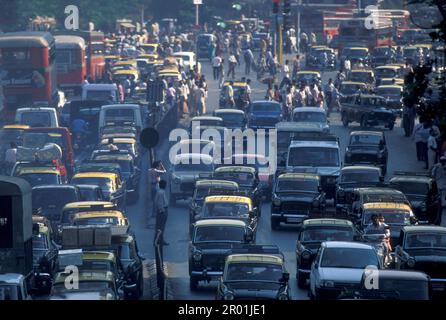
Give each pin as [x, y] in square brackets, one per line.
[379, 242]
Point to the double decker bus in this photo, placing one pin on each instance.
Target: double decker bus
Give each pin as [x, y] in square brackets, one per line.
[95, 51]
[27, 71]
[70, 63]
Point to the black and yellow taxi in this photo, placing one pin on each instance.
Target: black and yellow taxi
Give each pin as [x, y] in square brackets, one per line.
[37, 176]
[240, 95]
[259, 273]
[110, 217]
[211, 242]
[112, 186]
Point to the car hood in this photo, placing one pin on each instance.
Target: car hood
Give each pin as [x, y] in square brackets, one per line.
[363, 149]
[254, 290]
[216, 247]
[342, 274]
[297, 196]
[359, 184]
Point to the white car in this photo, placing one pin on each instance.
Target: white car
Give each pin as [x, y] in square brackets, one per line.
[312, 114]
[340, 266]
[37, 117]
[189, 60]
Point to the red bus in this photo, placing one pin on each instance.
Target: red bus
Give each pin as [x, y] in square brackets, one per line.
[28, 72]
[70, 62]
[353, 32]
[95, 51]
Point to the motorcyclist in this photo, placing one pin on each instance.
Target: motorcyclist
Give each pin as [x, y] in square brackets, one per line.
[376, 227]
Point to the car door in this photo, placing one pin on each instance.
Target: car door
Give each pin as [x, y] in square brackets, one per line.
[314, 273]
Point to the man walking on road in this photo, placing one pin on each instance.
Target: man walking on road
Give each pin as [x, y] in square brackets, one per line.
[249, 59]
[232, 64]
[216, 64]
[161, 206]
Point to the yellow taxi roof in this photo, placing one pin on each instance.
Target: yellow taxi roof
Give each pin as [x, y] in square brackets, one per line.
[15, 126]
[236, 84]
[98, 255]
[220, 222]
[237, 199]
[125, 62]
[309, 72]
[128, 72]
[148, 56]
[39, 170]
[387, 205]
[87, 204]
[361, 71]
[142, 45]
[388, 67]
[98, 214]
[354, 83]
[390, 86]
[112, 57]
[359, 48]
[253, 258]
[120, 140]
[109, 175]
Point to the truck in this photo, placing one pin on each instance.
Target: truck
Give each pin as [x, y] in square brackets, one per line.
[16, 246]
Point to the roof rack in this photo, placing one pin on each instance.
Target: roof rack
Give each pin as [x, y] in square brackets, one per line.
[408, 173]
[314, 137]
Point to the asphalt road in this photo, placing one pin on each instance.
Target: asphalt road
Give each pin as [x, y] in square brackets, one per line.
[401, 157]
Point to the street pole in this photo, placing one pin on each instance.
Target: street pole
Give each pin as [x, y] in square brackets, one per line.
[197, 12]
[299, 8]
[280, 45]
[275, 35]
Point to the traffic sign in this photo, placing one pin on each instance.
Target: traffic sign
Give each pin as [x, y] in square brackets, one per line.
[198, 2]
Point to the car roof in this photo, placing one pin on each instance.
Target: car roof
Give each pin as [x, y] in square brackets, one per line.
[386, 205]
[11, 278]
[109, 175]
[292, 126]
[220, 222]
[390, 86]
[327, 222]
[328, 144]
[120, 140]
[120, 106]
[236, 199]
[88, 186]
[16, 126]
[360, 168]
[354, 83]
[346, 244]
[97, 214]
[301, 176]
[55, 186]
[252, 258]
[98, 255]
[235, 169]
[421, 228]
[406, 275]
[368, 133]
[216, 183]
[309, 109]
[87, 204]
[409, 178]
[38, 170]
[186, 156]
[387, 67]
[231, 111]
[199, 118]
[376, 190]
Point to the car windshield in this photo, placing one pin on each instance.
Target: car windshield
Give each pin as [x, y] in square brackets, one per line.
[313, 157]
[411, 187]
[225, 209]
[96, 221]
[360, 176]
[425, 240]
[266, 106]
[104, 183]
[242, 178]
[350, 88]
[120, 114]
[100, 95]
[389, 73]
[284, 137]
[389, 91]
[219, 234]
[319, 234]
[232, 119]
[36, 119]
[257, 162]
[10, 292]
[351, 258]
[293, 185]
[45, 199]
[191, 167]
[359, 76]
[381, 51]
[89, 194]
[38, 179]
[254, 272]
[38, 140]
[310, 117]
[39, 242]
[359, 139]
[391, 217]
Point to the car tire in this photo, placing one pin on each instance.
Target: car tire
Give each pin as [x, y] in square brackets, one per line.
[193, 283]
[345, 120]
[301, 280]
[275, 225]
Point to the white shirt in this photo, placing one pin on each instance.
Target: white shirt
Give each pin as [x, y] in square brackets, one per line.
[347, 64]
[216, 63]
[161, 202]
[286, 71]
[232, 59]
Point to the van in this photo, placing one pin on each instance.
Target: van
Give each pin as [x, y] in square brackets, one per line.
[37, 117]
[120, 114]
[101, 92]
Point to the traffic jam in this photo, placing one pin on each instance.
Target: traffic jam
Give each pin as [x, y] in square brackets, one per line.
[277, 156]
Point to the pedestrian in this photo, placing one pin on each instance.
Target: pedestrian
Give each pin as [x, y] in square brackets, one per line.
[347, 66]
[216, 64]
[304, 42]
[313, 39]
[222, 74]
[320, 98]
[230, 102]
[200, 100]
[269, 93]
[420, 136]
[248, 90]
[161, 209]
[171, 95]
[249, 59]
[288, 104]
[155, 173]
[10, 157]
[85, 81]
[212, 47]
[232, 64]
[296, 66]
[120, 91]
[277, 95]
[432, 149]
[314, 95]
[184, 98]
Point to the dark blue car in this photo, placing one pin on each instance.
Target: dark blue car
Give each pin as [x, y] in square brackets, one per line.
[264, 115]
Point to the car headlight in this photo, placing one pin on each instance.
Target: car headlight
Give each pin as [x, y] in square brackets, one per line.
[228, 296]
[329, 284]
[411, 262]
[197, 255]
[306, 255]
[282, 296]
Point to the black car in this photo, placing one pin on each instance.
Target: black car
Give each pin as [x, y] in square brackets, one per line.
[423, 248]
[296, 197]
[264, 115]
[49, 200]
[383, 55]
[367, 110]
[247, 179]
[253, 273]
[232, 118]
[204, 188]
[362, 196]
[212, 241]
[353, 177]
[423, 194]
[44, 254]
[90, 192]
[367, 148]
[391, 285]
